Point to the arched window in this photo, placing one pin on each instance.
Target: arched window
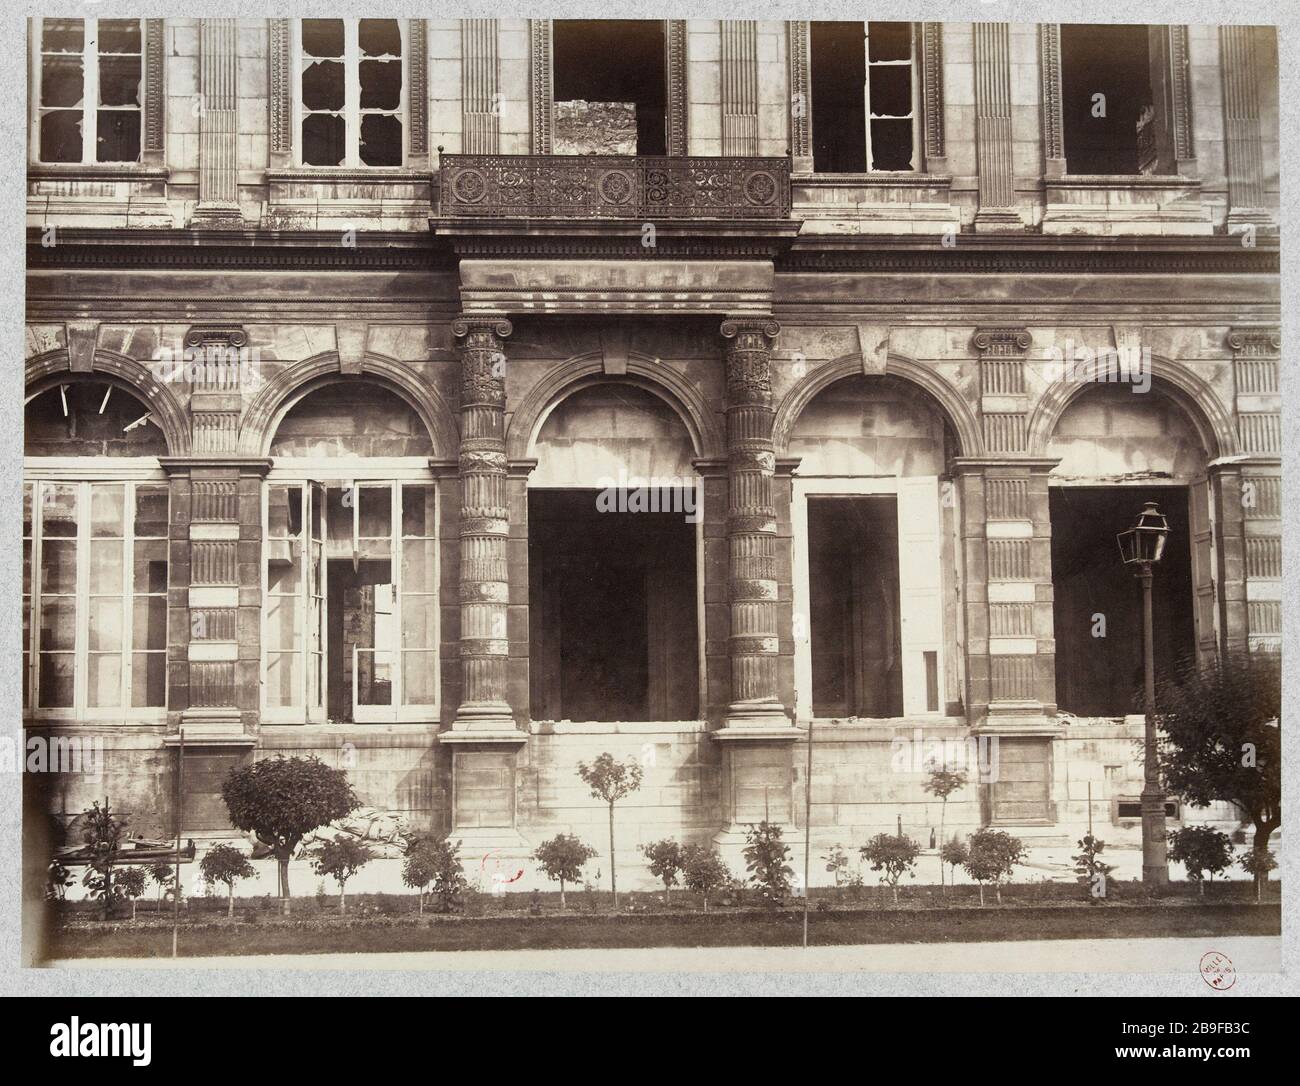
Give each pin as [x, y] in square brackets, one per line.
[95, 516]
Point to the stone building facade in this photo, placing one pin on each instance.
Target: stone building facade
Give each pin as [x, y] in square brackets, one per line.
[348, 397]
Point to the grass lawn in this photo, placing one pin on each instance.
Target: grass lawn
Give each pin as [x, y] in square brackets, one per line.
[389, 923]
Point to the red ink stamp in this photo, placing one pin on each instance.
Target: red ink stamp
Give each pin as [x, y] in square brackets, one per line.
[1217, 971]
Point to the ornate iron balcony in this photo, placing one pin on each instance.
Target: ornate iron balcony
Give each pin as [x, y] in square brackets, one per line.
[613, 187]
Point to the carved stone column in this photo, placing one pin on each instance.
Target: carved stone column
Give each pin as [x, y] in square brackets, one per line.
[751, 525]
[484, 529]
[1241, 126]
[218, 125]
[997, 210]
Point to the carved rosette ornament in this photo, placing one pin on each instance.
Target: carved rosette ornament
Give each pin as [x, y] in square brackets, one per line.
[751, 523]
[484, 525]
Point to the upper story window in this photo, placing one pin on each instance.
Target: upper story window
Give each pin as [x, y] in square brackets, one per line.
[1113, 119]
[351, 92]
[610, 86]
[864, 94]
[88, 94]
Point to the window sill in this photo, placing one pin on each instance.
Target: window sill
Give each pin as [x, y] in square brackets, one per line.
[72, 171]
[915, 178]
[367, 175]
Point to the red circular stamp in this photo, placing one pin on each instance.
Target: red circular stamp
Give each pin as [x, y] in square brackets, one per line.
[1217, 971]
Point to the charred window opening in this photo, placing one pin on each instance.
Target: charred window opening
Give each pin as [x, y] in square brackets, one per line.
[91, 72]
[1098, 600]
[610, 86]
[1112, 118]
[612, 609]
[90, 418]
[855, 617]
[863, 96]
[351, 92]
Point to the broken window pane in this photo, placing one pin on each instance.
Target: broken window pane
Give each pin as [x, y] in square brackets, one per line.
[118, 135]
[381, 140]
[322, 37]
[151, 512]
[381, 84]
[890, 41]
[323, 140]
[322, 85]
[63, 35]
[891, 90]
[62, 81]
[61, 136]
[380, 37]
[119, 35]
[119, 81]
[837, 60]
[891, 145]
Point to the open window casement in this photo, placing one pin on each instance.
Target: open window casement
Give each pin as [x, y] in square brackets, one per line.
[920, 589]
[368, 592]
[1204, 590]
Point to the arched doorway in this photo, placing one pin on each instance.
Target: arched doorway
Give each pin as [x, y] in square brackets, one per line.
[1118, 449]
[351, 521]
[613, 543]
[873, 547]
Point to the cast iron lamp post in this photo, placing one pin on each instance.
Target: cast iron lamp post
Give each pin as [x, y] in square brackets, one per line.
[1141, 547]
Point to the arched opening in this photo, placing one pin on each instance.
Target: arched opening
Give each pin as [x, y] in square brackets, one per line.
[351, 561]
[873, 550]
[613, 519]
[95, 523]
[1119, 449]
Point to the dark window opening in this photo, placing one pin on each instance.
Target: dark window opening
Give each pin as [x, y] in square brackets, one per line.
[1094, 592]
[610, 86]
[1111, 117]
[857, 127]
[360, 633]
[856, 634]
[1132, 808]
[612, 611]
[90, 418]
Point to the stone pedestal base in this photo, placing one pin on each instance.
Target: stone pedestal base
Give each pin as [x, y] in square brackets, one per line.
[992, 220]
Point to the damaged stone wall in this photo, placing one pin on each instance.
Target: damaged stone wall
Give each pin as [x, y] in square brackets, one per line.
[595, 128]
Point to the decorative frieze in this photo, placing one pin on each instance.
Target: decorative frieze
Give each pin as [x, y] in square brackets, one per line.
[540, 84]
[279, 103]
[1010, 560]
[798, 50]
[1049, 68]
[418, 96]
[1005, 431]
[1264, 557]
[1006, 499]
[932, 104]
[1261, 497]
[1011, 619]
[1012, 678]
[1261, 432]
[677, 138]
[155, 94]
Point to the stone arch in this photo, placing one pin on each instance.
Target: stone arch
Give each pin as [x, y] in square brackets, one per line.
[290, 385]
[46, 370]
[1202, 406]
[589, 369]
[955, 410]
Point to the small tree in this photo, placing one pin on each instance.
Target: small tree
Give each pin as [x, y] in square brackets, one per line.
[132, 881]
[561, 860]
[664, 858]
[1202, 850]
[1092, 871]
[282, 800]
[892, 855]
[765, 860]
[991, 857]
[703, 871]
[436, 861]
[611, 781]
[954, 853]
[942, 782]
[1223, 737]
[1258, 864]
[340, 858]
[103, 833]
[162, 873]
[226, 864]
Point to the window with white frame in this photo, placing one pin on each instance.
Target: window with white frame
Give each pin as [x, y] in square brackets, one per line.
[351, 92]
[94, 598]
[89, 76]
[864, 94]
[351, 614]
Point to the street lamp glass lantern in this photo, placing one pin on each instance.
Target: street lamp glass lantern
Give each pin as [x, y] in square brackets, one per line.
[1144, 543]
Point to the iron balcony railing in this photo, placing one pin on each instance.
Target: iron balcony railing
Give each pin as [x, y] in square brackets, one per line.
[613, 187]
